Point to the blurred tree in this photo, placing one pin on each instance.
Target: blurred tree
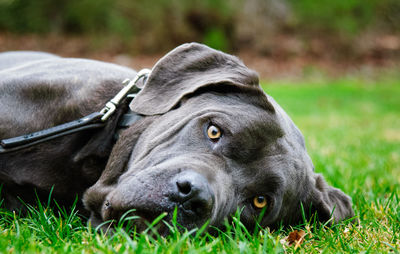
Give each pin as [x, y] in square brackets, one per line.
[154, 25]
[259, 20]
[347, 17]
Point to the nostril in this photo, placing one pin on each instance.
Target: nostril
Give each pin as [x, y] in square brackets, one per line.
[184, 187]
[108, 211]
[107, 205]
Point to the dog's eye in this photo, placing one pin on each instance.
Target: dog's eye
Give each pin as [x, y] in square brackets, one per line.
[259, 202]
[213, 132]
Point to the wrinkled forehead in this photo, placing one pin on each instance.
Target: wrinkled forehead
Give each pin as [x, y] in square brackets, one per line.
[243, 116]
[235, 110]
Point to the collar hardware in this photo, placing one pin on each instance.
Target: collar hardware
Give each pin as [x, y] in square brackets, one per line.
[112, 105]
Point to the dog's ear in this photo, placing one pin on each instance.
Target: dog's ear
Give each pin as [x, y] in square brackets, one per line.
[329, 201]
[183, 71]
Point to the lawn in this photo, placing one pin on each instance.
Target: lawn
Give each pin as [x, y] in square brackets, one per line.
[352, 131]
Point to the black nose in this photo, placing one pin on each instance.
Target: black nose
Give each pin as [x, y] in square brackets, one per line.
[193, 193]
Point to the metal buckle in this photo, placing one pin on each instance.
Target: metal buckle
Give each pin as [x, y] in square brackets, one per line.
[111, 106]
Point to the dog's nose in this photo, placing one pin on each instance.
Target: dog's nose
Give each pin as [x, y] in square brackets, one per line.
[193, 193]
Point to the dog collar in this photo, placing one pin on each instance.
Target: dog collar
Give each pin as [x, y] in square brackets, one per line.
[92, 121]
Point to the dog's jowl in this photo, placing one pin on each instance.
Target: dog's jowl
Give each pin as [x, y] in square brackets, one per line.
[200, 137]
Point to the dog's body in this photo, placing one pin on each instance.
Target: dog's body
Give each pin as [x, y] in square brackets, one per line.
[209, 141]
[44, 91]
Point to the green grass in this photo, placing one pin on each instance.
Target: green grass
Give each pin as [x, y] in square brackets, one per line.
[352, 130]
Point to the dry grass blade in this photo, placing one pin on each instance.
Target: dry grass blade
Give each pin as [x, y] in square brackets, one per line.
[296, 237]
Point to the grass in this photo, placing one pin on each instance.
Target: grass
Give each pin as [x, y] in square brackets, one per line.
[352, 130]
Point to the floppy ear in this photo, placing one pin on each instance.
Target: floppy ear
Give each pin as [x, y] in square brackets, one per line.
[329, 201]
[186, 69]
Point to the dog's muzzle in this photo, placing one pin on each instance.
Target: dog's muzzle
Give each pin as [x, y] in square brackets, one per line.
[192, 194]
[188, 192]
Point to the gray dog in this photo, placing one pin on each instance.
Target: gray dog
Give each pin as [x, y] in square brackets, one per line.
[206, 141]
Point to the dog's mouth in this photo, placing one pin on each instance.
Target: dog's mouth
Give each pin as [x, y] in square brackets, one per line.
[138, 220]
[186, 199]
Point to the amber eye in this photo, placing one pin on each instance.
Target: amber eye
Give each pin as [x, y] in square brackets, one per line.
[259, 202]
[213, 132]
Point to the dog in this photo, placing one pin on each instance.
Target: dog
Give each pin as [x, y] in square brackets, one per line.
[208, 141]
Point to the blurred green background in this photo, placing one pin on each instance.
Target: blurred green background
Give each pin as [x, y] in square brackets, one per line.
[279, 28]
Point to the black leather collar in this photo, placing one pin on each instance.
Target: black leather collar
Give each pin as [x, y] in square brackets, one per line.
[128, 119]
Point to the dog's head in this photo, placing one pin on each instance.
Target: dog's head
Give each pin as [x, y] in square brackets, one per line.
[211, 141]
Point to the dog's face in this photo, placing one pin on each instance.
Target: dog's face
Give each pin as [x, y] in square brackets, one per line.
[212, 142]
